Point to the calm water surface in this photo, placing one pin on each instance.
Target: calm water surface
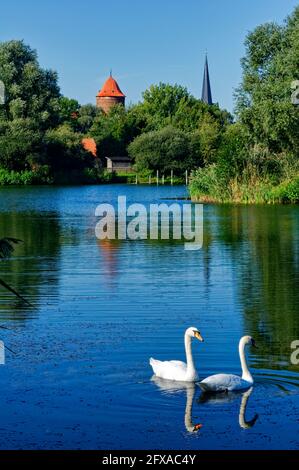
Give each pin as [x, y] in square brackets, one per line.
[80, 377]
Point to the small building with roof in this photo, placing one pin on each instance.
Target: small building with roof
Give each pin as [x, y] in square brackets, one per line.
[119, 164]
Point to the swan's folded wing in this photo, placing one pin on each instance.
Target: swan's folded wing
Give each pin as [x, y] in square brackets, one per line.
[220, 382]
[180, 364]
[171, 370]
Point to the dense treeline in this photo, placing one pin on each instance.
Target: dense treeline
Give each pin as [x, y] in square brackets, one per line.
[41, 131]
[254, 159]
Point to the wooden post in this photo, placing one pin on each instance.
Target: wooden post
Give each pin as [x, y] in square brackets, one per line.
[136, 179]
[186, 177]
[163, 179]
[149, 179]
[171, 178]
[157, 177]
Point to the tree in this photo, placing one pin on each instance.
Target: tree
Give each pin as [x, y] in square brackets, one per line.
[68, 110]
[166, 104]
[64, 150]
[86, 116]
[31, 106]
[263, 105]
[31, 92]
[114, 131]
[164, 150]
[209, 137]
[20, 144]
[160, 104]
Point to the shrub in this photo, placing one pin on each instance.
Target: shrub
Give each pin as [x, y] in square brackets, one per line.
[287, 191]
[163, 150]
[206, 183]
[27, 177]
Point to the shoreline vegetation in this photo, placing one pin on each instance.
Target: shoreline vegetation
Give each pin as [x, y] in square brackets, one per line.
[251, 157]
[85, 177]
[257, 192]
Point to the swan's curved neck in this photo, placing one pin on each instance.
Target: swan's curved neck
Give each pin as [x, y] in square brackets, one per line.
[189, 357]
[242, 420]
[246, 375]
[188, 410]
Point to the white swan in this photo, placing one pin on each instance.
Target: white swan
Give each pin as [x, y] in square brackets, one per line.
[230, 382]
[177, 370]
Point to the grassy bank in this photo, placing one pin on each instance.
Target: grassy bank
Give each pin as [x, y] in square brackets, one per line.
[250, 189]
[43, 176]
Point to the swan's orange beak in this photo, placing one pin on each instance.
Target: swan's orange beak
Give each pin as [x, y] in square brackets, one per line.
[198, 336]
[197, 427]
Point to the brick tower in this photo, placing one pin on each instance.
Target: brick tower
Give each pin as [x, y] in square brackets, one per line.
[110, 95]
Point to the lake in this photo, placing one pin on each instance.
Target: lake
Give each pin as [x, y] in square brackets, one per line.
[80, 377]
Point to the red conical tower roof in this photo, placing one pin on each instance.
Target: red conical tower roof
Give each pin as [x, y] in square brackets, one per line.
[110, 89]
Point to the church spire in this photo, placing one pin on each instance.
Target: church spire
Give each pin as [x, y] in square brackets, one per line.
[206, 95]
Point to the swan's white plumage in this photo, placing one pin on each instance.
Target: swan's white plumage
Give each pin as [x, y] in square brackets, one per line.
[223, 382]
[171, 370]
[230, 382]
[178, 370]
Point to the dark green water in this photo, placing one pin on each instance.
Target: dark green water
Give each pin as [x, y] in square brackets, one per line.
[81, 379]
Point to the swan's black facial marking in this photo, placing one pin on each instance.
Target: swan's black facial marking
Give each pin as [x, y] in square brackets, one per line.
[253, 343]
[198, 335]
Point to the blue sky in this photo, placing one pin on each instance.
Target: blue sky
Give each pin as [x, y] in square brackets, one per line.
[143, 41]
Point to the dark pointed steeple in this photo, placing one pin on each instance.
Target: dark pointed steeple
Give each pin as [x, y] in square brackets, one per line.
[206, 95]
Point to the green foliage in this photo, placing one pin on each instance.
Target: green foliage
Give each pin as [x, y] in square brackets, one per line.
[209, 138]
[31, 107]
[31, 92]
[161, 103]
[163, 150]
[166, 104]
[257, 158]
[264, 98]
[114, 131]
[179, 132]
[85, 119]
[68, 110]
[20, 143]
[287, 191]
[233, 153]
[64, 149]
[205, 182]
[40, 129]
[27, 177]
[96, 176]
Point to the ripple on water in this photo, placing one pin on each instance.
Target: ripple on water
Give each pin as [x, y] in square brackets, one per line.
[80, 377]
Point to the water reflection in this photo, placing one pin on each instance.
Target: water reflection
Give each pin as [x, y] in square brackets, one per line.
[219, 398]
[262, 243]
[34, 263]
[109, 256]
[84, 342]
[172, 387]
